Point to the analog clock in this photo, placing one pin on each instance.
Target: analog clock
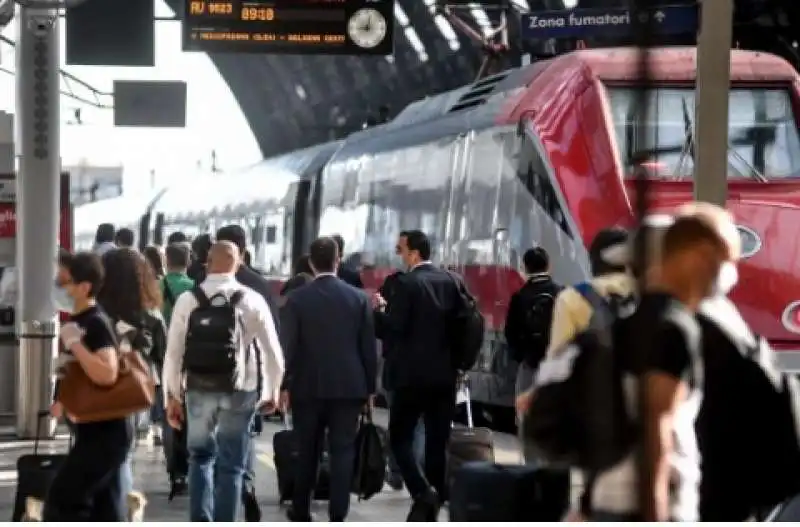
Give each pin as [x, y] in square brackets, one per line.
[367, 28]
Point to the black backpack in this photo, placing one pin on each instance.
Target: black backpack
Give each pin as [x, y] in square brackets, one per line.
[538, 319]
[579, 417]
[214, 359]
[748, 428]
[467, 329]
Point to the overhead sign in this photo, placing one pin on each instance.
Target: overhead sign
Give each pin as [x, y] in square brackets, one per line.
[585, 23]
[335, 27]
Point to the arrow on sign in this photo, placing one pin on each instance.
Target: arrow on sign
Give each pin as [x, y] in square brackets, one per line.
[659, 16]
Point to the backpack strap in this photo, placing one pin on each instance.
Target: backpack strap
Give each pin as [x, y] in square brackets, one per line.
[168, 291]
[200, 295]
[236, 297]
[591, 296]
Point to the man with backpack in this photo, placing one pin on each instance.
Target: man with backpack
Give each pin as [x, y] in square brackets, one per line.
[419, 320]
[632, 387]
[609, 257]
[530, 315]
[210, 343]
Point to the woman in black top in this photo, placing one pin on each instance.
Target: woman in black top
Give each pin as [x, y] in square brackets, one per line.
[87, 486]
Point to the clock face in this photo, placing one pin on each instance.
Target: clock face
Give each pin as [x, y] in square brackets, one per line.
[367, 28]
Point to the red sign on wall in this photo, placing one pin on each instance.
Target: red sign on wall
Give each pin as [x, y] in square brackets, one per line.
[8, 215]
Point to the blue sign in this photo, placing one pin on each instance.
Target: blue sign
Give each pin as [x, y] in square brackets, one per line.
[586, 23]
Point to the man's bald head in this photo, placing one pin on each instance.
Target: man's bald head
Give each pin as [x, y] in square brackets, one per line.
[719, 219]
[223, 258]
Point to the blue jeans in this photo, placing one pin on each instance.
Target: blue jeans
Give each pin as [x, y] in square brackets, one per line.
[419, 444]
[218, 436]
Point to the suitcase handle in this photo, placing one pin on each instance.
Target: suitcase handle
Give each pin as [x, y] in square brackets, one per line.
[463, 386]
[41, 416]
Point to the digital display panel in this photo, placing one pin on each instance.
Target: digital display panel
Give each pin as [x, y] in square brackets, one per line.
[339, 27]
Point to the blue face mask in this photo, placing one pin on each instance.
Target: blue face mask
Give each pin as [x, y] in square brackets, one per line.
[61, 299]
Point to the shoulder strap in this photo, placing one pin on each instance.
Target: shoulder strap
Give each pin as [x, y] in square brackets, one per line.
[200, 295]
[236, 298]
[461, 286]
[591, 295]
[168, 291]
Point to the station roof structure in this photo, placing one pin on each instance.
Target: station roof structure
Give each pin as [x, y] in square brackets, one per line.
[293, 101]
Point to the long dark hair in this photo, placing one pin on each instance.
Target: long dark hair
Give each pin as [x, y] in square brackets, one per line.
[130, 285]
[156, 260]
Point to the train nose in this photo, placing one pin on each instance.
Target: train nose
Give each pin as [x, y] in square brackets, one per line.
[768, 292]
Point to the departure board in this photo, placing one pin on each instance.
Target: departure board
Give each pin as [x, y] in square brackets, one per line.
[337, 27]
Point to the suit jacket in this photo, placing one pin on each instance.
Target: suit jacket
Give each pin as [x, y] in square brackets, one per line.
[328, 339]
[418, 317]
[350, 276]
[249, 278]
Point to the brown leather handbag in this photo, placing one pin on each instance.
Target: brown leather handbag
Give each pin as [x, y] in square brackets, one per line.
[87, 402]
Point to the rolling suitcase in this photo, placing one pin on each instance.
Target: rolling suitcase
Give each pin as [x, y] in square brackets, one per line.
[35, 473]
[468, 444]
[487, 492]
[285, 457]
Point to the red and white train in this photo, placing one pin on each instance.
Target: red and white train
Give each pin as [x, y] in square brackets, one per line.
[536, 155]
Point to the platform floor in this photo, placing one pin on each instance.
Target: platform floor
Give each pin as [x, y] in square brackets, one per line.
[150, 478]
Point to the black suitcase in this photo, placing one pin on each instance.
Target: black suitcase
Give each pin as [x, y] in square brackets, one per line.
[487, 492]
[35, 473]
[285, 458]
[468, 444]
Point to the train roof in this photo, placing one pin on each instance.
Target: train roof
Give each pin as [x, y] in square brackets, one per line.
[490, 101]
[238, 192]
[122, 211]
[304, 162]
[677, 64]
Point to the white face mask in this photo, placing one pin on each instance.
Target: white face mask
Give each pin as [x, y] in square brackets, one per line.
[726, 279]
[61, 300]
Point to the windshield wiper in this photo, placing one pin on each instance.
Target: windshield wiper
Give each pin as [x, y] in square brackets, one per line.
[688, 140]
[689, 147]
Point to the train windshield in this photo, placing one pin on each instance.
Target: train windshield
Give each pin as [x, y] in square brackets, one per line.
[763, 141]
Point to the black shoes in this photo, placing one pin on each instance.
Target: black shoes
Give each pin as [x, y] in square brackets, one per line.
[425, 507]
[178, 486]
[252, 511]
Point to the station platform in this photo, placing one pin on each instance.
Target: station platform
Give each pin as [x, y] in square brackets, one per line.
[151, 479]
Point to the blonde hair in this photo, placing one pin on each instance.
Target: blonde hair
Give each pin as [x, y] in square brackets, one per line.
[719, 219]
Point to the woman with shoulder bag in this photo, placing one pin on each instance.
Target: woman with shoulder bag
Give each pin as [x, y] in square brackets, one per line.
[88, 485]
[132, 298]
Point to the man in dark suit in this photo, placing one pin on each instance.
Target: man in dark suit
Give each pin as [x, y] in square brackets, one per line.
[424, 300]
[328, 337]
[346, 272]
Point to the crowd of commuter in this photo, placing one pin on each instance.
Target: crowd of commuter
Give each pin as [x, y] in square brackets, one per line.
[224, 353]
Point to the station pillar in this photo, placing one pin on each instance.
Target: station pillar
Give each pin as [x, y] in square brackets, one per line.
[38, 142]
[711, 111]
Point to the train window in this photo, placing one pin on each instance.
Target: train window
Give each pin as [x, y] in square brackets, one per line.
[272, 233]
[533, 174]
[763, 135]
[485, 165]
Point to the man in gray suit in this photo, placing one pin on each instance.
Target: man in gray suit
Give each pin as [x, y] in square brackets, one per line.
[328, 338]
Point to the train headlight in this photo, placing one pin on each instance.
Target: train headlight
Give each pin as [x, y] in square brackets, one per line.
[791, 317]
[751, 242]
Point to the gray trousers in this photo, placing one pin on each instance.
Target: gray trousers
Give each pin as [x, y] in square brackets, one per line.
[525, 378]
